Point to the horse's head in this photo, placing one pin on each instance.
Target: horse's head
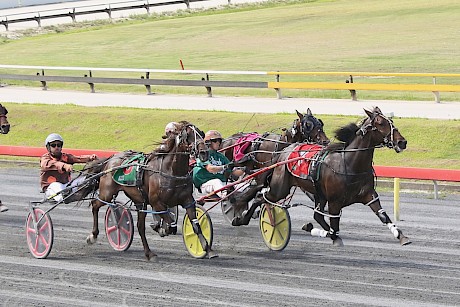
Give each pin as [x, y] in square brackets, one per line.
[4, 125]
[384, 129]
[310, 128]
[191, 139]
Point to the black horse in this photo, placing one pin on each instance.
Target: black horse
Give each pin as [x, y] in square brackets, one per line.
[263, 151]
[165, 183]
[343, 175]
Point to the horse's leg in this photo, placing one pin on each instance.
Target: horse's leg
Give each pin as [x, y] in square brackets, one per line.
[168, 226]
[191, 213]
[319, 218]
[141, 229]
[92, 237]
[383, 216]
[334, 230]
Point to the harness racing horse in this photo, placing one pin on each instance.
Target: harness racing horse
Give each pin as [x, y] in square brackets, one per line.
[344, 175]
[264, 150]
[4, 129]
[165, 183]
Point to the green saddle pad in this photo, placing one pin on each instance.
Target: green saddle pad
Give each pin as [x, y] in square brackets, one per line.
[128, 176]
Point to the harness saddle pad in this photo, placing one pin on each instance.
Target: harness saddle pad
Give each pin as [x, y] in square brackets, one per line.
[301, 168]
[242, 144]
[128, 176]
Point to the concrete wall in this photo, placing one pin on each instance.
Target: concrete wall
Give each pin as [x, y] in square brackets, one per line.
[6, 4]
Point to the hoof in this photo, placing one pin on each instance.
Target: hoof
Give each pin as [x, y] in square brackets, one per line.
[236, 221]
[212, 254]
[338, 242]
[162, 232]
[91, 239]
[404, 240]
[307, 227]
[150, 255]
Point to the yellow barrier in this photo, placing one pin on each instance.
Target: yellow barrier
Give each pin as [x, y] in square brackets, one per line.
[366, 86]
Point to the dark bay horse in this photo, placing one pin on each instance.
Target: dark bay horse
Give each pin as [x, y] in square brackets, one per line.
[343, 175]
[265, 150]
[165, 183]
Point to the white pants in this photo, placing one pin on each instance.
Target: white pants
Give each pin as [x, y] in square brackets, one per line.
[215, 184]
[56, 187]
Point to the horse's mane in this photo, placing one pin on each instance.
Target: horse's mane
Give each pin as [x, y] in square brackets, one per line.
[345, 135]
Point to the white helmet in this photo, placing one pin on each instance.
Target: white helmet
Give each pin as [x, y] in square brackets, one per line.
[52, 138]
[171, 127]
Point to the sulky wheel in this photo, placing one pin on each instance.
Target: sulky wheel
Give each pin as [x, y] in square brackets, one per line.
[119, 227]
[40, 236]
[191, 240]
[275, 226]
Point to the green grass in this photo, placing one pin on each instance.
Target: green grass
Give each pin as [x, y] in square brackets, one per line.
[431, 143]
[342, 35]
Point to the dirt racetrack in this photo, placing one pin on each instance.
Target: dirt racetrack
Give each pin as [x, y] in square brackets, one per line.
[372, 269]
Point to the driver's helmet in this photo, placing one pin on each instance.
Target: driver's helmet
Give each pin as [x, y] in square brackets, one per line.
[212, 135]
[170, 128]
[53, 137]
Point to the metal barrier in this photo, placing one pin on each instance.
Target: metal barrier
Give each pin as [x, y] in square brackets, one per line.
[205, 81]
[43, 15]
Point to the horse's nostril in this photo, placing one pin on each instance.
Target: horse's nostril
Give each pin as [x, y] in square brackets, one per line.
[402, 144]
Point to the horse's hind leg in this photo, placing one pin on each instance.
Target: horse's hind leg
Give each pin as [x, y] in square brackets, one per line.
[383, 216]
[92, 237]
[141, 229]
[319, 218]
[191, 213]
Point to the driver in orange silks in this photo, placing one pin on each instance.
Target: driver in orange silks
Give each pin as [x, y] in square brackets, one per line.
[56, 167]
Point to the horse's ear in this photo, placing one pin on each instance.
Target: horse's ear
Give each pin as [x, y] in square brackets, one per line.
[369, 113]
[377, 110]
[309, 112]
[300, 115]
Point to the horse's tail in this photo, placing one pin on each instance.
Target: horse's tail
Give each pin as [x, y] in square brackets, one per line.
[91, 177]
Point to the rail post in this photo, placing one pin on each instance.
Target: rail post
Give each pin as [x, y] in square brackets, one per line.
[91, 85]
[38, 19]
[278, 91]
[208, 88]
[396, 199]
[437, 97]
[352, 92]
[44, 86]
[147, 7]
[72, 15]
[187, 3]
[5, 23]
[147, 86]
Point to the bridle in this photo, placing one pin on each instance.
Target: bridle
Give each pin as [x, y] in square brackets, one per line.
[307, 125]
[388, 139]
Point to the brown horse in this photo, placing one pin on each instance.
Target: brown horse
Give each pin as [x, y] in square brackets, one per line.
[4, 125]
[165, 183]
[265, 150]
[343, 175]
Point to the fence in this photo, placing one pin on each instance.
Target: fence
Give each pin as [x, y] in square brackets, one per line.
[88, 10]
[396, 173]
[204, 79]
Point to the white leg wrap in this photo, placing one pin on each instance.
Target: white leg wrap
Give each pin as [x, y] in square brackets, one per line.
[316, 232]
[394, 229]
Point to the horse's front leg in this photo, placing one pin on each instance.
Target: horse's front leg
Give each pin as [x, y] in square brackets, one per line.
[191, 213]
[374, 204]
[334, 230]
[141, 229]
[92, 237]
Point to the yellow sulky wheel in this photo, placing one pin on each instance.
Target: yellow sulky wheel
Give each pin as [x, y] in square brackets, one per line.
[191, 240]
[275, 226]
